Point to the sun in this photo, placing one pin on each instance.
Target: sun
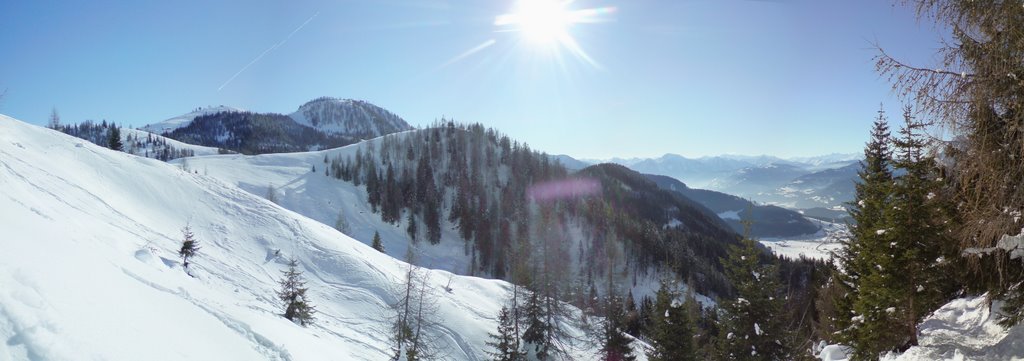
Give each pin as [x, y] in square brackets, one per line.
[547, 24]
[541, 21]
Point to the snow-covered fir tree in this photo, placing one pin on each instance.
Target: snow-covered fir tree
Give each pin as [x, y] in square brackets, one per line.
[505, 342]
[671, 328]
[376, 243]
[297, 307]
[751, 326]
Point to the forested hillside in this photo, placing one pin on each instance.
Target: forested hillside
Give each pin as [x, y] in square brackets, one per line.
[764, 220]
[135, 142]
[509, 202]
[256, 133]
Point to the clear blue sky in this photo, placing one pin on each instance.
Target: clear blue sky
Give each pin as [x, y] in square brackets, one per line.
[787, 78]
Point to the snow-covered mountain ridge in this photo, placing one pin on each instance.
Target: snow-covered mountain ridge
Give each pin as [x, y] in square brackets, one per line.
[322, 123]
[90, 267]
[184, 119]
[327, 114]
[348, 116]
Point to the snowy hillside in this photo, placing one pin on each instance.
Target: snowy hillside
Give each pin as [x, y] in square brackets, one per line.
[325, 199]
[90, 270]
[185, 119]
[350, 117]
[299, 183]
[143, 143]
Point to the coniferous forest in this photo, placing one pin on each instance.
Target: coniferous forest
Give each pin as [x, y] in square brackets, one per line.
[479, 181]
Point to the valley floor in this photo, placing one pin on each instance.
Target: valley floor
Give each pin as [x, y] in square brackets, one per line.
[818, 245]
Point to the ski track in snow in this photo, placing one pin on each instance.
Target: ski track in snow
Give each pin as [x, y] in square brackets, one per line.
[262, 344]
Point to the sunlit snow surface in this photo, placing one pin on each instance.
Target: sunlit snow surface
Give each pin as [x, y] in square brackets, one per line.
[818, 245]
[186, 119]
[89, 267]
[963, 329]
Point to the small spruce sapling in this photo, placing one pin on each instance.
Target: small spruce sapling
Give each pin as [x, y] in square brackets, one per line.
[189, 246]
[297, 307]
[376, 242]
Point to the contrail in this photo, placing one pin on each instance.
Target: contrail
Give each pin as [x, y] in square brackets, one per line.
[469, 52]
[267, 51]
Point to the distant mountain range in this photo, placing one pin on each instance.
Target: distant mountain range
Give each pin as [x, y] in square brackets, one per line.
[765, 220]
[319, 124]
[804, 182]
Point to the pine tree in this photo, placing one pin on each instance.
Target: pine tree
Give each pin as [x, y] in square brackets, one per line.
[975, 92]
[631, 324]
[616, 346]
[432, 216]
[897, 265]
[868, 212]
[414, 312]
[54, 120]
[390, 197]
[373, 188]
[114, 139]
[751, 328]
[911, 277]
[505, 342]
[189, 246]
[297, 307]
[671, 332]
[411, 229]
[342, 223]
[377, 245]
[538, 331]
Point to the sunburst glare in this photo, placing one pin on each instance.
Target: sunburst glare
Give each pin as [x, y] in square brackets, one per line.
[547, 24]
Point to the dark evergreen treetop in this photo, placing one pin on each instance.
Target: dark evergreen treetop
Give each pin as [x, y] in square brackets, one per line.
[114, 139]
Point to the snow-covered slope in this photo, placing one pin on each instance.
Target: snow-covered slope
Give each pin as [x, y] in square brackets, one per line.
[89, 268]
[963, 329]
[143, 143]
[348, 116]
[298, 187]
[185, 119]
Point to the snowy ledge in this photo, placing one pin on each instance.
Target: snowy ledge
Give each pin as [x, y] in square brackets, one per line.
[1012, 244]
